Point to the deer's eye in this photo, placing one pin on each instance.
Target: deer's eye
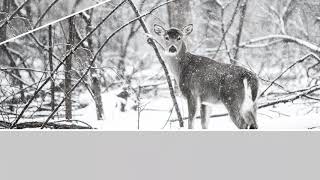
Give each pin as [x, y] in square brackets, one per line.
[167, 38]
[179, 38]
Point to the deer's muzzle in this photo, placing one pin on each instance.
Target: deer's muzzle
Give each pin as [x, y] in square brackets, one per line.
[172, 49]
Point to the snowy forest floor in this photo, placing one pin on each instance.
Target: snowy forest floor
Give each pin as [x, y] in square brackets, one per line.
[297, 115]
[156, 115]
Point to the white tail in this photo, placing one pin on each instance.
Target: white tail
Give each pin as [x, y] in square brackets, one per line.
[209, 81]
[248, 107]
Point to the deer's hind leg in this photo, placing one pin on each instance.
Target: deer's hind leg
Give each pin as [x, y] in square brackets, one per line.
[233, 107]
[237, 119]
[250, 116]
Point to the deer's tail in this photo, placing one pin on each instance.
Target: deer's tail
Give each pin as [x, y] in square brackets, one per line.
[249, 107]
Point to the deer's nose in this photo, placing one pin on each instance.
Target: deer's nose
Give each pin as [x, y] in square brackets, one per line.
[172, 49]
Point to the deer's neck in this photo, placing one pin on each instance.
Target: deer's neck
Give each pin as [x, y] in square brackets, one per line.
[174, 62]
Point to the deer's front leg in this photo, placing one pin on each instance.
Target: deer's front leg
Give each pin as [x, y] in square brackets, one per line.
[192, 108]
[205, 112]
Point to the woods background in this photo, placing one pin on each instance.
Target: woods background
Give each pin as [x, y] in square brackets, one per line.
[98, 69]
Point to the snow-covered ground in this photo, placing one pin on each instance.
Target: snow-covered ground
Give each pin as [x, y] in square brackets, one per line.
[290, 116]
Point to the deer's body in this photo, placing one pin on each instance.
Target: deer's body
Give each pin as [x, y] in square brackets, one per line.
[204, 81]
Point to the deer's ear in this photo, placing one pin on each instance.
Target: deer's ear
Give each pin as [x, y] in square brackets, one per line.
[159, 30]
[187, 29]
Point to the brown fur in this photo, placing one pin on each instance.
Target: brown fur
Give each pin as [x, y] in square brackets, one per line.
[201, 78]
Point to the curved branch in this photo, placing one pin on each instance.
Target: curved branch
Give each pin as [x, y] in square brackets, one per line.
[292, 98]
[227, 29]
[287, 69]
[14, 13]
[62, 62]
[45, 12]
[285, 38]
[93, 60]
[153, 44]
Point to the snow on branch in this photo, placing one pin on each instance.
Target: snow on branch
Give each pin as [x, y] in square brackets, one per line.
[284, 38]
[62, 62]
[293, 97]
[153, 44]
[44, 13]
[301, 60]
[9, 18]
[289, 97]
[51, 125]
[95, 57]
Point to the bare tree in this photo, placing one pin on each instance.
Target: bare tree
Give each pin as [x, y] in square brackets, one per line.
[272, 35]
[152, 43]
[68, 67]
[63, 61]
[4, 52]
[179, 13]
[3, 30]
[243, 9]
[52, 87]
[94, 74]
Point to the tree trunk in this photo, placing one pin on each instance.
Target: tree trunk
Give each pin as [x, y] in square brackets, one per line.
[16, 80]
[4, 14]
[156, 50]
[4, 53]
[51, 67]
[68, 67]
[94, 75]
[121, 67]
[179, 13]
[3, 31]
[29, 11]
[243, 9]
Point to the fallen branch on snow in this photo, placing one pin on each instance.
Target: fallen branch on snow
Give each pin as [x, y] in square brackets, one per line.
[280, 38]
[50, 125]
[284, 100]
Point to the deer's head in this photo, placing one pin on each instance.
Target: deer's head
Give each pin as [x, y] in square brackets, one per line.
[173, 37]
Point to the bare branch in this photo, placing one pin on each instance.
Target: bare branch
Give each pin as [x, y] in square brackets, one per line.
[243, 9]
[14, 13]
[152, 43]
[94, 58]
[227, 29]
[62, 62]
[287, 69]
[285, 38]
[272, 103]
[51, 125]
[44, 13]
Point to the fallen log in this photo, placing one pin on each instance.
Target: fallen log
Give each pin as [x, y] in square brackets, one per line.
[50, 125]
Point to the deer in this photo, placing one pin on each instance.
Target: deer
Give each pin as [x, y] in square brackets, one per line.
[204, 81]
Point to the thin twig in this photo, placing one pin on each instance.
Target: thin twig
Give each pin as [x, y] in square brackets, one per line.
[171, 110]
[228, 28]
[275, 102]
[292, 65]
[14, 13]
[243, 9]
[152, 43]
[93, 60]
[62, 62]
[45, 12]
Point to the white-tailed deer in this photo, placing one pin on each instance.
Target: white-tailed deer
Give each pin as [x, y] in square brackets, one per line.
[208, 81]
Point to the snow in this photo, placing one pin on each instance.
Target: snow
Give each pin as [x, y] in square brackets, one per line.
[289, 116]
